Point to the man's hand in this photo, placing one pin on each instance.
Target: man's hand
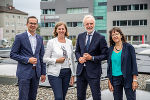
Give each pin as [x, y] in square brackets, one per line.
[87, 56]
[60, 60]
[43, 78]
[33, 60]
[82, 60]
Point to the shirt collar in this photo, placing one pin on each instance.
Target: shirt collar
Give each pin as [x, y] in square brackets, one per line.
[30, 34]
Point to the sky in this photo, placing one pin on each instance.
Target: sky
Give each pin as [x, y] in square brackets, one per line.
[32, 7]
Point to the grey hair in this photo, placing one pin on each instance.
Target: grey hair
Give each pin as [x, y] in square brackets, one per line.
[88, 16]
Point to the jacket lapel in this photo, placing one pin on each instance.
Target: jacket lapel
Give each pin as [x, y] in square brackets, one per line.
[84, 40]
[123, 52]
[28, 42]
[92, 41]
[37, 43]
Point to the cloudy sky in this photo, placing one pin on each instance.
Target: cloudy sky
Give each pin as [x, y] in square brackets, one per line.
[32, 7]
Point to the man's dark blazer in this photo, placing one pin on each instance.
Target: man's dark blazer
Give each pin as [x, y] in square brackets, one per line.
[21, 51]
[128, 64]
[98, 48]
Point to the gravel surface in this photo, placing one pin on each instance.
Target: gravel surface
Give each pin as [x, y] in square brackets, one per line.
[10, 92]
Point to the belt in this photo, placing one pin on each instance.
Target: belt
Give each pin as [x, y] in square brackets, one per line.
[34, 67]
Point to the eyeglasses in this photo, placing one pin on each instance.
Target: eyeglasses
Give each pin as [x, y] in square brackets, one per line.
[116, 34]
[64, 52]
[33, 23]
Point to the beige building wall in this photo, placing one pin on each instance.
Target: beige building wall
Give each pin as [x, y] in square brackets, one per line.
[12, 24]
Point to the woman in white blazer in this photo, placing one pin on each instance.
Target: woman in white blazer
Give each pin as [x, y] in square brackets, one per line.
[59, 59]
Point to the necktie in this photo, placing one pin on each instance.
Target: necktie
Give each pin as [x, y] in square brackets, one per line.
[88, 42]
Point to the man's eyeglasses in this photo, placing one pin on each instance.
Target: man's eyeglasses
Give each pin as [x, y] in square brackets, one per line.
[64, 52]
[33, 23]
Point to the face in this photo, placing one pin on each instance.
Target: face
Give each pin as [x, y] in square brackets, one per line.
[116, 37]
[89, 25]
[32, 25]
[61, 30]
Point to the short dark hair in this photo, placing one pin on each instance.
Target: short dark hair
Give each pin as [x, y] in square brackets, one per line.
[31, 17]
[57, 25]
[116, 29]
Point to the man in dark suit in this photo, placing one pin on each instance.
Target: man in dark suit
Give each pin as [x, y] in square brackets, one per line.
[28, 50]
[91, 49]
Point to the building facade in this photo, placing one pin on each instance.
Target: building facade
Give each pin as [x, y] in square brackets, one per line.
[72, 13]
[12, 22]
[132, 16]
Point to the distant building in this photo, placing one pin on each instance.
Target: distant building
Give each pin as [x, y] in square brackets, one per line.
[72, 13]
[132, 16]
[13, 21]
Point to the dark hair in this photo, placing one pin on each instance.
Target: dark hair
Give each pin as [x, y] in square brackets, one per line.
[57, 25]
[116, 29]
[31, 17]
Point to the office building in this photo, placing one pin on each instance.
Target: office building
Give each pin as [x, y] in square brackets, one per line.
[72, 13]
[132, 16]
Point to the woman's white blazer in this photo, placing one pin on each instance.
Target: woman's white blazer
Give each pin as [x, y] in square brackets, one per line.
[53, 51]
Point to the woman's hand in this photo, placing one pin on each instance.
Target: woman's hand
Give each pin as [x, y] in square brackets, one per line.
[110, 86]
[60, 60]
[72, 80]
[134, 85]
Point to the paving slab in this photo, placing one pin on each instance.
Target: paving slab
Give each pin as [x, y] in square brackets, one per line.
[140, 95]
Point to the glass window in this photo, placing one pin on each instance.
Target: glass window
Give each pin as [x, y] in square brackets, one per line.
[135, 38]
[69, 24]
[141, 6]
[118, 8]
[141, 22]
[135, 22]
[136, 7]
[123, 23]
[74, 24]
[118, 23]
[129, 7]
[129, 22]
[145, 22]
[79, 24]
[114, 23]
[123, 7]
[145, 6]
[129, 38]
[114, 8]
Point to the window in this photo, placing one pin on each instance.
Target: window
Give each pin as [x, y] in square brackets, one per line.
[145, 22]
[77, 10]
[102, 3]
[74, 24]
[135, 22]
[145, 6]
[135, 38]
[102, 31]
[48, 24]
[130, 7]
[114, 8]
[114, 23]
[99, 17]
[130, 23]
[48, 11]
[124, 8]
[7, 31]
[123, 23]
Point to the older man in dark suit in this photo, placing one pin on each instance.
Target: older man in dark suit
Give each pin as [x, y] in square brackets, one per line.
[28, 50]
[91, 49]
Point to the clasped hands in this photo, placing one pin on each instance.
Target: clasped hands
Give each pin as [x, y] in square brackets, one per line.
[85, 57]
